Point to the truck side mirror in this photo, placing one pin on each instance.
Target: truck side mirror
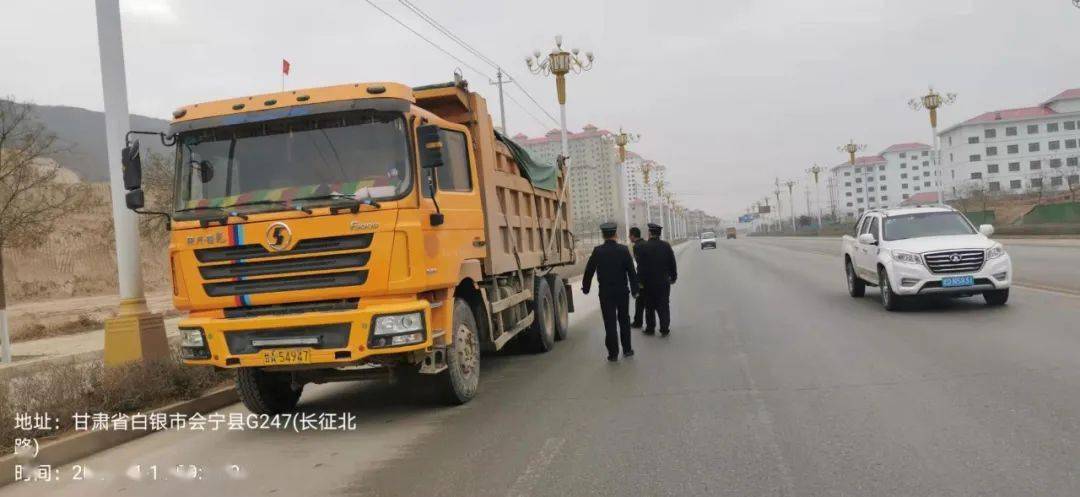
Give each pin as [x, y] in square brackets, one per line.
[135, 199]
[132, 163]
[430, 146]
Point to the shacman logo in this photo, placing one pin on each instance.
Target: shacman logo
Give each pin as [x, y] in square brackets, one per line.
[278, 237]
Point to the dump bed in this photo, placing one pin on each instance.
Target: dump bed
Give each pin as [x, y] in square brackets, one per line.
[519, 217]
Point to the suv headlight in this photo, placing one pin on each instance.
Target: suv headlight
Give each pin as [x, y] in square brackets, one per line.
[906, 257]
[995, 251]
[399, 323]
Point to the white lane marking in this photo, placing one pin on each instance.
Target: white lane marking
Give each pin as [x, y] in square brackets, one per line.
[524, 485]
[764, 417]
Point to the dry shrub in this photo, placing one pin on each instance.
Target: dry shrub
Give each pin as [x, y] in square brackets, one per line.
[92, 388]
[34, 331]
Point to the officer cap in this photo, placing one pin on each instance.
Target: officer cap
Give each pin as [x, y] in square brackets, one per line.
[608, 228]
[655, 228]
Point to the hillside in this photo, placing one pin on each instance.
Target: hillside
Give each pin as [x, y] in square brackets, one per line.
[82, 132]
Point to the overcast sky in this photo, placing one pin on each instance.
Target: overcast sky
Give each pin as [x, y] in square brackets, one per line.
[728, 94]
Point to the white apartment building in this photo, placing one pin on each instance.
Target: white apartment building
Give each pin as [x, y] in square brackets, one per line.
[882, 180]
[1015, 150]
[594, 184]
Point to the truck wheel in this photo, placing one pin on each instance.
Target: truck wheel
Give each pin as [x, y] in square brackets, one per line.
[542, 331]
[462, 376]
[889, 299]
[855, 286]
[266, 393]
[562, 312]
[996, 297]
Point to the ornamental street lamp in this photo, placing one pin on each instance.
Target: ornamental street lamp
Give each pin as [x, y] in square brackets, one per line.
[560, 63]
[646, 168]
[779, 211]
[621, 140]
[851, 148]
[816, 170]
[791, 201]
[931, 102]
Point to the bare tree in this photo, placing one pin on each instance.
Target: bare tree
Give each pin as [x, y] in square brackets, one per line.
[31, 200]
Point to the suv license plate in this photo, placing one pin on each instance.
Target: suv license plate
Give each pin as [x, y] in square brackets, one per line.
[276, 357]
[955, 281]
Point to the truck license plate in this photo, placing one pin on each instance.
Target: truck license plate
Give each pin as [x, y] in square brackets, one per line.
[276, 357]
[955, 281]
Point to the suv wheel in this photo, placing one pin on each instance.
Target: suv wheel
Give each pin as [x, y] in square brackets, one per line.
[889, 299]
[855, 286]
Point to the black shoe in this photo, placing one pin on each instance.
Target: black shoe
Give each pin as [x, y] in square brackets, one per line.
[648, 331]
[664, 333]
[628, 353]
[613, 358]
[635, 325]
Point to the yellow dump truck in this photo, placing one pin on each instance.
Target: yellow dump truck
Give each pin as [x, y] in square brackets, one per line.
[355, 231]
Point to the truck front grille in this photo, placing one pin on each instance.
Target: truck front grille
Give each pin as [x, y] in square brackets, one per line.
[320, 263]
[286, 284]
[308, 246]
[291, 308]
[955, 261]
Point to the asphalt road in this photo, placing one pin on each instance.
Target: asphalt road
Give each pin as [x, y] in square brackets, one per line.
[774, 383]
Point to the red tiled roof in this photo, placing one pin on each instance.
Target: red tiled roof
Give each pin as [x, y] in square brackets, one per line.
[921, 199]
[1065, 95]
[1011, 114]
[904, 147]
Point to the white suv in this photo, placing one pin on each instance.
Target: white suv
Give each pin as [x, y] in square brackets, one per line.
[924, 251]
[708, 239]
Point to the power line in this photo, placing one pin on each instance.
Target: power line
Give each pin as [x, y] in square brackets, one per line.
[422, 37]
[526, 111]
[457, 39]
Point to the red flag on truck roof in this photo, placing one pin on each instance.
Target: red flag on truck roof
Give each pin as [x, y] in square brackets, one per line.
[284, 66]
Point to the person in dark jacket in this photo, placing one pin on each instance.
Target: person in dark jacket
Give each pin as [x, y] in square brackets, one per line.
[636, 241]
[614, 269]
[656, 262]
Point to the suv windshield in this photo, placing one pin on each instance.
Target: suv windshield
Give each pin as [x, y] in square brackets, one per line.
[926, 224]
[270, 163]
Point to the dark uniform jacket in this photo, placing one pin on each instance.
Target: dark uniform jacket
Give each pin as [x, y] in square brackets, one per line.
[614, 269]
[656, 261]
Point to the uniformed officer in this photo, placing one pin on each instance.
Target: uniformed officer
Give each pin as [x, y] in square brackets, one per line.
[656, 263]
[614, 268]
[636, 241]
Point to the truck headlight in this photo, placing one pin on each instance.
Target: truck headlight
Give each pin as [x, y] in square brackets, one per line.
[398, 323]
[906, 257]
[192, 338]
[995, 251]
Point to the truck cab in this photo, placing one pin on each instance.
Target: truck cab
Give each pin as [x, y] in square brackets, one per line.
[349, 231]
[908, 252]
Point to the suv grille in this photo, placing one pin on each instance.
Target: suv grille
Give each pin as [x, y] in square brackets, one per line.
[955, 261]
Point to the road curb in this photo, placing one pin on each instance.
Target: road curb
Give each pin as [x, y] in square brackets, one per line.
[73, 447]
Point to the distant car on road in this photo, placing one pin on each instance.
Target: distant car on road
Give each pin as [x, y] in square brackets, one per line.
[730, 233]
[924, 251]
[708, 239]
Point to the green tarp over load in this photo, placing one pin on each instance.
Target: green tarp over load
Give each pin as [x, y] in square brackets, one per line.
[543, 176]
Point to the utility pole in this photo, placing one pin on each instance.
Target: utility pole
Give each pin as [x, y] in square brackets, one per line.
[499, 81]
[791, 201]
[134, 333]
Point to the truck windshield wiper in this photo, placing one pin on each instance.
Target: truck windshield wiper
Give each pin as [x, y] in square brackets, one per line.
[341, 196]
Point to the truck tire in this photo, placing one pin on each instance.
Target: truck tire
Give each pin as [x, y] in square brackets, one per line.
[562, 308]
[541, 334]
[458, 384]
[855, 286]
[889, 299]
[996, 297]
[266, 393]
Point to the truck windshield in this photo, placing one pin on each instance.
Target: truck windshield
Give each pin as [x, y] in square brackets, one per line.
[708, 234]
[926, 224]
[270, 163]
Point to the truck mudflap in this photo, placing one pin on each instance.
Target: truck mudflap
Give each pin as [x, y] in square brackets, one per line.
[569, 296]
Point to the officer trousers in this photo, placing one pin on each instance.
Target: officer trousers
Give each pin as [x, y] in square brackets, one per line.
[639, 310]
[657, 304]
[615, 310]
